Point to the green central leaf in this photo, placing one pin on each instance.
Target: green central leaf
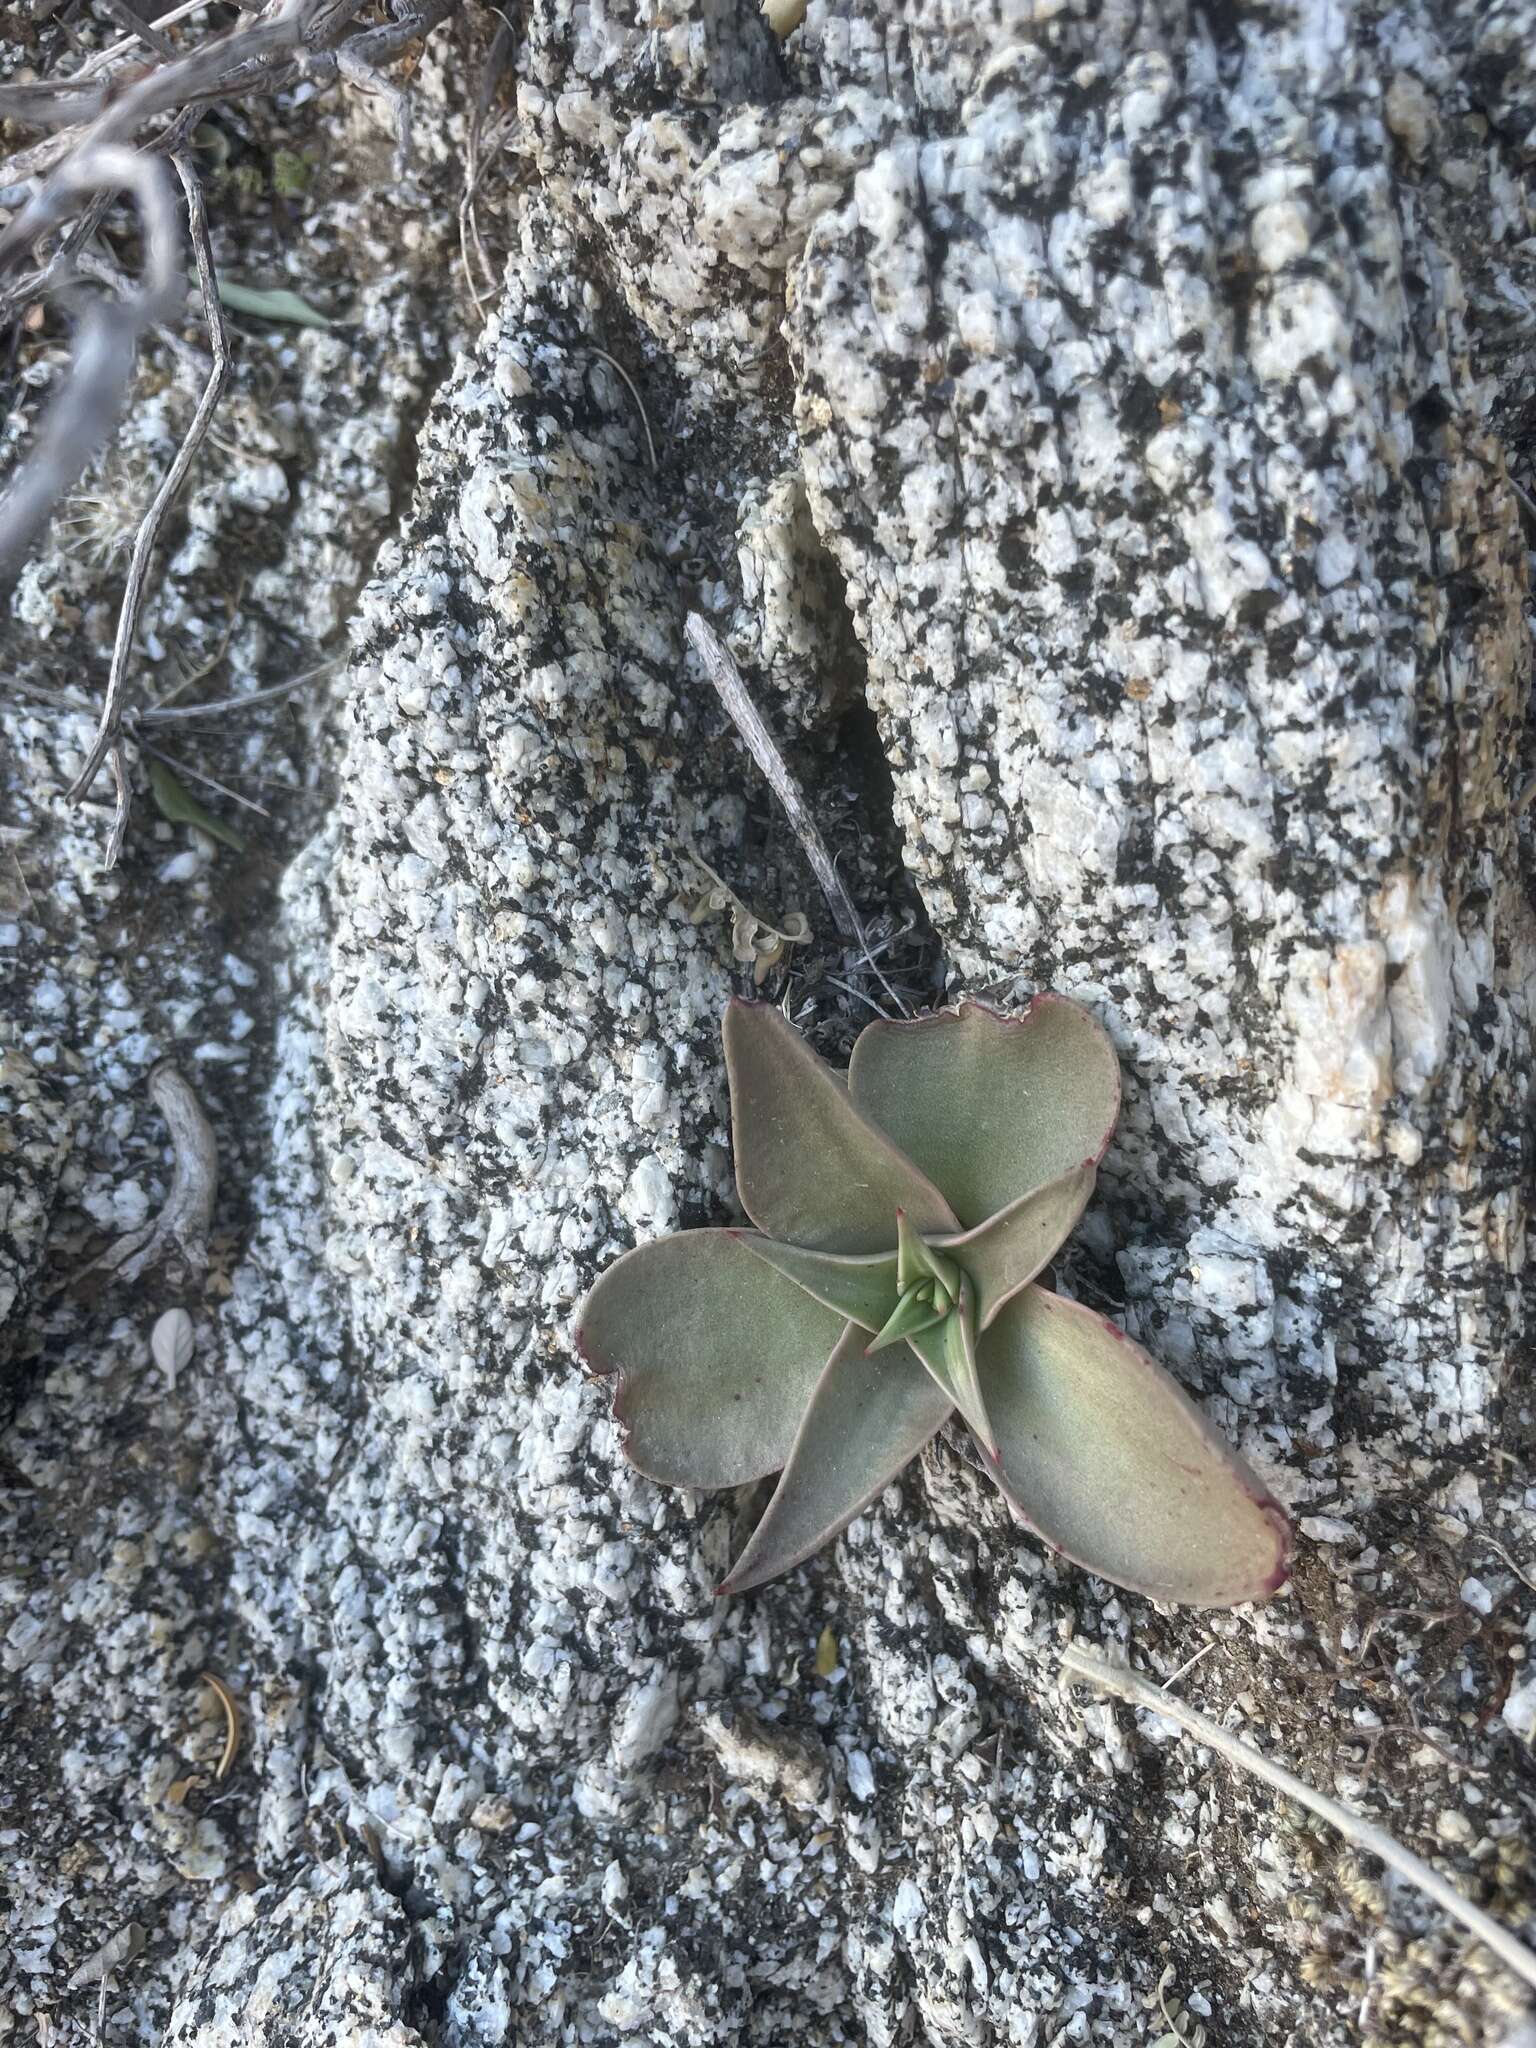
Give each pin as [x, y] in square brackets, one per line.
[916, 1260]
[916, 1311]
[948, 1349]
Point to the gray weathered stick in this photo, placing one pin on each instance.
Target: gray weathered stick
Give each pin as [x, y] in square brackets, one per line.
[149, 527]
[726, 677]
[1080, 1662]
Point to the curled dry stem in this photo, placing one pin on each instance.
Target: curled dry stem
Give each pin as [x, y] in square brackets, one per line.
[81, 416]
[183, 1225]
[232, 1724]
[99, 115]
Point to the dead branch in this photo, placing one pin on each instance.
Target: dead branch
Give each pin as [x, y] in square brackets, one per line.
[1093, 1668]
[290, 40]
[142, 31]
[82, 414]
[149, 528]
[101, 112]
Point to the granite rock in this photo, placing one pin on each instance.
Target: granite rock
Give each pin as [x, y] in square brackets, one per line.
[1096, 396]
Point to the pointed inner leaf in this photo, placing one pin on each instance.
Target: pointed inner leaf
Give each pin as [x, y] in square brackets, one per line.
[862, 1289]
[917, 1310]
[948, 1349]
[917, 1260]
[1009, 1249]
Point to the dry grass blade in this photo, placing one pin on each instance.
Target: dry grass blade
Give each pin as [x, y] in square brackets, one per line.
[727, 679]
[191, 714]
[144, 32]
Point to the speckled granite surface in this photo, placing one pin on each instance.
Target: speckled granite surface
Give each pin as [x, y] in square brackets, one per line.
[1104, 397]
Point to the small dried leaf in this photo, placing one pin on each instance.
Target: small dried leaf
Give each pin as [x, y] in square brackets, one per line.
[826, 1654]
[754, 940]
[743, 934]
[171, 1343]
[121, 1948]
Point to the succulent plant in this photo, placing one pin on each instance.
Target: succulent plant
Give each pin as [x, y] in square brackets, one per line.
[902, 1215]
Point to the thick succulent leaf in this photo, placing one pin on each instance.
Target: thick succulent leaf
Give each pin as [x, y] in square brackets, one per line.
[868, 1419]
[948, 1350]
[990, 1107]
[1106, 1458]
[1009, 1249]
[717, 1355]
[809, 1168]
[863, 1289]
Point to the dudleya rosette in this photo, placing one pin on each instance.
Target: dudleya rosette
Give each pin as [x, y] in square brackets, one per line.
[902, 1215]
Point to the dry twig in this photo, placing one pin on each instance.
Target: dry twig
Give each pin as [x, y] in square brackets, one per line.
[149, 529]
[1095, 1669]
[476, 156]
[98, 116]
[188, 714]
